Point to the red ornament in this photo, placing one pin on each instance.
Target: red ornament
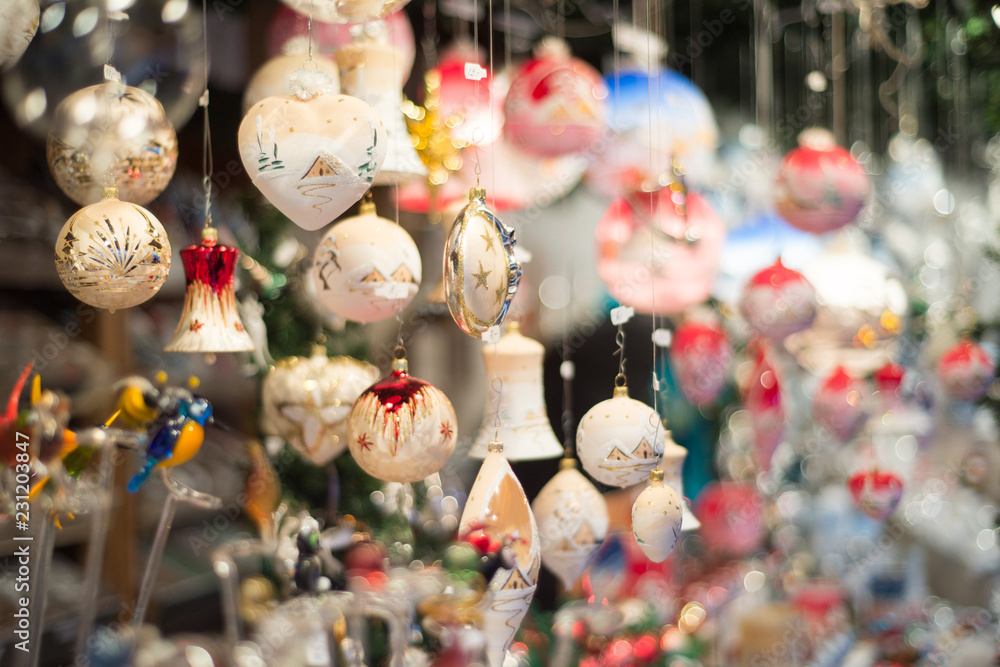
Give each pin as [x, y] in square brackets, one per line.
[839, 404]
[762, 399]
[778, 301]
[965, 371]
[700, 356]
[876, 492]
[889, 378]
[731, 516]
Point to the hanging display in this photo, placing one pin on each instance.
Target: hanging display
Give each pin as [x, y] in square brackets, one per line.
[523, 423]
[480, 273]
[572, 518]
[498, 508]
[700, 356]
[402, 429]
[210, 321]
[366, 268]
[778, 301]
[307, 400]
[657, 518]
[312, 154]
[111, 133]
[113, 254]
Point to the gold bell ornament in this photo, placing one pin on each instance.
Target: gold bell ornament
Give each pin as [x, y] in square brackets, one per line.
[498, 507]
[572, 518]
[523, 421]
[657, 517]
[210, 321]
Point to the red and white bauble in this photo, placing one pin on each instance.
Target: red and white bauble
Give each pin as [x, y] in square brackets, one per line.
[700, 355]
[402, 429]
[839, 404]
[473, 108]
[820, 187]
[965, 371]
[778, 301]
[762, 399]
[555, 103]
[876, 492]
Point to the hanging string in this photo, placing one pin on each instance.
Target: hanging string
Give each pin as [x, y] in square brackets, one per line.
[654, 80]
[492, 91]
[207, 165]
[566, 370]
[620, 353]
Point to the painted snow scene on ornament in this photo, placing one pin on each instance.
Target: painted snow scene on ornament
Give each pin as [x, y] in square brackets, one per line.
[619, 439]
[312, 159]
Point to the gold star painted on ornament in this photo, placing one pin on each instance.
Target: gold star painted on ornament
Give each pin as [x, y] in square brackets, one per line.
[481, 277]
[501, 293]
[489, 241]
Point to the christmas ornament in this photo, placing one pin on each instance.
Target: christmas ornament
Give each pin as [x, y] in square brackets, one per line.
[272, 79]
[820, 187]
[778, 301]
[498, 507]
[19, 19]
[401, 429]
[554, 105]
[619, 439]
[762, 399]
[262, 491]
[480, 272]
[210, 321]
[523, 422]
[306, 400]
[111, 130]
[113, 254]
[658, 253]
[876, 492]
[345, 11]
[656, 518]
[310, 154]
[965, 371]
[471, 106]
[177, 439]
[366, 268]
[839, 406]
[672, 465]
[371, 73]
[700, 354]
[572, 518]
[732, 517]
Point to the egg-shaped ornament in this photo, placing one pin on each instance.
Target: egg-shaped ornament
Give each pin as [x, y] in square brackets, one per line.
[210, 321]
[965, 371]
[657, 517]
[523, 418]
[555, 103]
[345, 11]
[113, 254]
[481, 274]
[658, 253]
[498, 508]
[366, 268]
[273, 78]
[111, 130]
[312, 154]
[762, 397]
[306, 400]
[820, 187]
[619, 439]
[19, 21]
[876, 492]
[402, 429]
[839, 404]
[778, 302]
[572, 518]
[700, 356]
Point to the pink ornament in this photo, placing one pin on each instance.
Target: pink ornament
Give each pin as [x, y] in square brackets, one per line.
[473, 109]
[839, 406]
[732, 517]
[762, 399]
[965, 371]
[700, 356]
[876, 492]
[778, 301]
[820, 187]
[658, 252]
[555, 103]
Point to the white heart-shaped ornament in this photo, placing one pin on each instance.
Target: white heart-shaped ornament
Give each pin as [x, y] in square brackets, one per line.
[313, 159]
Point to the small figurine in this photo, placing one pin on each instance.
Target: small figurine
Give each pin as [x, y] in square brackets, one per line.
[178, 438]
[308, 566]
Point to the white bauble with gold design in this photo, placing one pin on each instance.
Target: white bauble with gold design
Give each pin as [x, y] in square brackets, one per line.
[498, 507]
[18, 24]
[366, 268]
[619, 439]
[572, 518]
[657, 516]
[306, 401]
[273, 78]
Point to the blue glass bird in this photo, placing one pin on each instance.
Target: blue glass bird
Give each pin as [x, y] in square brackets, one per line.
[177, 439]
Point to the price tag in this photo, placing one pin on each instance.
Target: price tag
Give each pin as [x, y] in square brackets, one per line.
[656, 383]
[203, 100]
[393, 290]
[474, 72]
[621, 314]
[567, 370]
[663, 337]
[117, 15]
[491, 335]
[522, 255]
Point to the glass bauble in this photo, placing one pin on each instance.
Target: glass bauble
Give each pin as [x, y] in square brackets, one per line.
[111, 129]
[657, 516]
[876, 492]
[700, 356]
[778, 301]
[965, 371]
[113, 254]
[839, 404]
[345, 11]
[19, 21]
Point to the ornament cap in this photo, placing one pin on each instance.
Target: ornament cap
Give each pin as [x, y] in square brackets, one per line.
[368, 207]
[400, 365]
[568, 463]
[111, 191]
[656, 475]
[495, 447]
[477, 194]
[209, 237]
[621, 392]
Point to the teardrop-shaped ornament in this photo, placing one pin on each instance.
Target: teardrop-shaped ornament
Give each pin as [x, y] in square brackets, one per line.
[657, 518]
